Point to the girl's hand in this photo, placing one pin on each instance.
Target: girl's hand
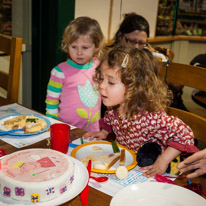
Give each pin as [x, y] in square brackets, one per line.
[98, 135]
[162, 162]
[159, 167]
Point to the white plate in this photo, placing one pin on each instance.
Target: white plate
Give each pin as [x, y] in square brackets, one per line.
[86, 149]
[156, 194]
[80, 180]
[3, 128]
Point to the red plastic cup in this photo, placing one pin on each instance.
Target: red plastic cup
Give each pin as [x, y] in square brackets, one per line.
[59, 134]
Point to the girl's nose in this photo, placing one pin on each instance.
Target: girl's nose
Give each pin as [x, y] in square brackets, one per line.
[79, 51]
[102, 85]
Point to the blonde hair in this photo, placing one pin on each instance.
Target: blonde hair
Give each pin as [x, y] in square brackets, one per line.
[145, 91]
[83, 26]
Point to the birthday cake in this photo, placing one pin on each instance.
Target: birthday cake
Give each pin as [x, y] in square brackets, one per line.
[36, 175]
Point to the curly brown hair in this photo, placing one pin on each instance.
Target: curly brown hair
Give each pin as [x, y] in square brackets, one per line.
[145, 91]
[83, 26]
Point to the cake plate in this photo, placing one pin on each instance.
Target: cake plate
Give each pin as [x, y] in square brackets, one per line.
[80, 180]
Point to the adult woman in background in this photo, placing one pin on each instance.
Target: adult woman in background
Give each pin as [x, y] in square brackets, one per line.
[134, 32]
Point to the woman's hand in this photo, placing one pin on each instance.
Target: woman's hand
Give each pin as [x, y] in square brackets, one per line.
[196, 162]
[98, 135]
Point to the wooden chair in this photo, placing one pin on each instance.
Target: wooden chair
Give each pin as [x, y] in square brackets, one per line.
[11, 46]
[187, 75]
[191, 76]
[196, 123]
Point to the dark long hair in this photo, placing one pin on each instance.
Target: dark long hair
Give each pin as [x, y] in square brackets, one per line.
[131, 22]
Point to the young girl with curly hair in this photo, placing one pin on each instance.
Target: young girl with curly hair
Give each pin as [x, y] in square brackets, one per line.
[72, 96]
[136, 99]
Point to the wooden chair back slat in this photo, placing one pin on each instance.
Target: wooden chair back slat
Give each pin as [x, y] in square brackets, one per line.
[11, 46]
[4, 77]
[187, 75]
[191, 76]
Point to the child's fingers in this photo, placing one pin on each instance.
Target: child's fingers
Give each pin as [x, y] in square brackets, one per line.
[146, 168]
[89, 135]
[86, 135]
[91, 138]
[100, 138]
[150, 173]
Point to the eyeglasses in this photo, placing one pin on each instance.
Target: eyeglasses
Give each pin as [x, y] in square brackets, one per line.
[133, 42]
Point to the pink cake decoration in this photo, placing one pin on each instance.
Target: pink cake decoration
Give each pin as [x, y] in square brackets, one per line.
[40, 168]
[19, 191]
[63, 189]
[50, 190]
[71, 179]
[7, 192]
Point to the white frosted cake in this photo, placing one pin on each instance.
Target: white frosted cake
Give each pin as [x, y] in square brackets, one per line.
[36, 175]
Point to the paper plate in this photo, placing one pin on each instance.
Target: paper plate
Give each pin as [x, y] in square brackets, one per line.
[80, 180]
[86, 149]
[20, 133]
[156, 194]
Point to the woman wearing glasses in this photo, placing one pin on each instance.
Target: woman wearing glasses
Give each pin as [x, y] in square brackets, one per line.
[134, 32]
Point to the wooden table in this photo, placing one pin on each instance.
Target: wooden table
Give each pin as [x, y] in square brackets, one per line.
[4, 101]
[96, 197]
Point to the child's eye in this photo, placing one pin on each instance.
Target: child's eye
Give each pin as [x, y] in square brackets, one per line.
[111, 83]
[74, 47]
[85, 47]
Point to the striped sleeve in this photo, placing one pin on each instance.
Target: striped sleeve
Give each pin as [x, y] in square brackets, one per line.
[54, 90]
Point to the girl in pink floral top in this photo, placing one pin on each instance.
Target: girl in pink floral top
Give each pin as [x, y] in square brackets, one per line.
[136, 98]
